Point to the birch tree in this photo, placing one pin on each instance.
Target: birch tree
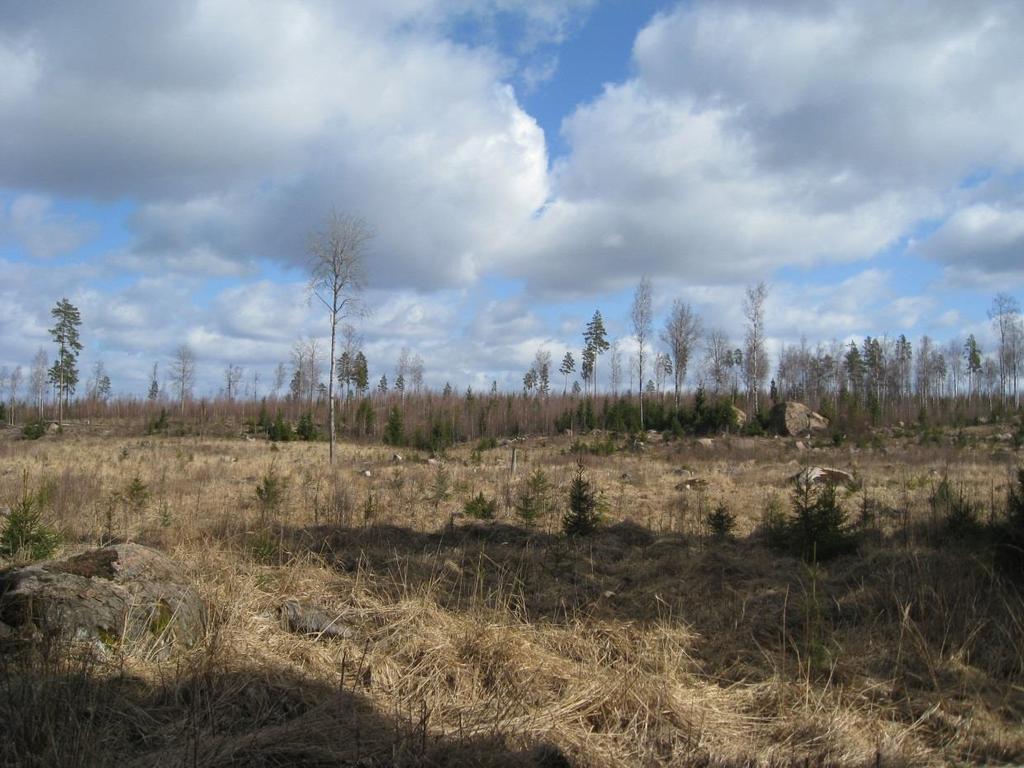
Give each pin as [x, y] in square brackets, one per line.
[641, 314]
[682, 329]
[337, 279]
[182, 373]
[756, 369]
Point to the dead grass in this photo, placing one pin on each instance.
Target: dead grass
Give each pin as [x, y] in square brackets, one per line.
[483, 643]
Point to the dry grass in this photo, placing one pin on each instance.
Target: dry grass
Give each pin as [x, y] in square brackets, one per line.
[483, 643]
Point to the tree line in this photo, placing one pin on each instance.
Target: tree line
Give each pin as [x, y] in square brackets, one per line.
[875, 380]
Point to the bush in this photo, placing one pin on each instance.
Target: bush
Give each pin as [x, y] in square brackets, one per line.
[270, 493]
[1010, 546]
[280, 431]
[306, 430]
[958, 515]
[721, 523]
[159, 424]
[583, 516]
[486, 444]
[532, 502]
[817, 529]
[25, 535]
[394, 430]
[34, 430]
[480, 507]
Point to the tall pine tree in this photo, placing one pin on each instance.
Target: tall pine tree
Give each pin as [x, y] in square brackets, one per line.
[64, 372]
[595, 338]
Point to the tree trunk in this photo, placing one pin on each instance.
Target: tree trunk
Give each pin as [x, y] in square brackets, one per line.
[330, 384]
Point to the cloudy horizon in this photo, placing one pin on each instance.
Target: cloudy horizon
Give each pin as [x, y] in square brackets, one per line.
[521, 163]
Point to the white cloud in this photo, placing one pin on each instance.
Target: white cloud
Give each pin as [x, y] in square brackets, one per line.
[756, 135]
[31, 222]
[238, 125]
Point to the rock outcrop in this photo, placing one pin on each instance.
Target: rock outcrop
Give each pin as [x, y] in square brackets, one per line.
[125, 593]
[824, 476]
[796, 419]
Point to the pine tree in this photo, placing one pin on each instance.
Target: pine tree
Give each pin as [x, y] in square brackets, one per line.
[64, 372]
[596, 341]
[567, 367]
[360, 373]
[154, 385]
[583, 515]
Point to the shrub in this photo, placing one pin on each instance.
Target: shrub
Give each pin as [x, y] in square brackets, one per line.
[480, 507]
[1010, 547]
[270, 493]
[532, 501]
[26, 535]
[394, 430]
[583, 516]
[486, 444]
[34, 430]
[440, 488]
[159, 424]
[958, 515]
[817, 529]
[280, 431]
[306, 430]
[774, 525]
[721, 523]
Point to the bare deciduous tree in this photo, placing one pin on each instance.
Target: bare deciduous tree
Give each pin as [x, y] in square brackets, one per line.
[641, 314]
[182, 373]
[756, 369]
[337, 278]
[232, 378]
[37, 380]
[717, 359]
[616, 367]
[280, 376]
[682, 329]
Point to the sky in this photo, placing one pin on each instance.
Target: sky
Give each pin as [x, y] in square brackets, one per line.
[520, 162]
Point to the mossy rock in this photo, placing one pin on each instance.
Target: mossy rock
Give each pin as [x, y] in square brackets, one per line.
[125, 595]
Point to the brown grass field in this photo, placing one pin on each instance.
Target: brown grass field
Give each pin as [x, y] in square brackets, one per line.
[483, 643]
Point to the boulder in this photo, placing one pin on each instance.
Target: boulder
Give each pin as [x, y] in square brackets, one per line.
[121, 593]
[739, 417]
[309, 620]
[705, 442]
[824, 476]
[692, 484]
[795, 419]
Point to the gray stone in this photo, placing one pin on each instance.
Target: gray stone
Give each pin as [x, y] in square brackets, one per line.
[123, 593]
[309, 620]
[795, 419]
[824, 476]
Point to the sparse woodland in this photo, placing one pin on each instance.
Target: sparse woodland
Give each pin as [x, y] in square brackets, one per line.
[538, 578]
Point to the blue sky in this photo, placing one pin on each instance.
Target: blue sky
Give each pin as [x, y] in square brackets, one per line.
[521, 163]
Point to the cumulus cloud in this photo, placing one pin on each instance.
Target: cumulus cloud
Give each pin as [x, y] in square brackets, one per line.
[981, 243]
[237, 126]
[756, 135]
[749, 136]
[31, 223]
